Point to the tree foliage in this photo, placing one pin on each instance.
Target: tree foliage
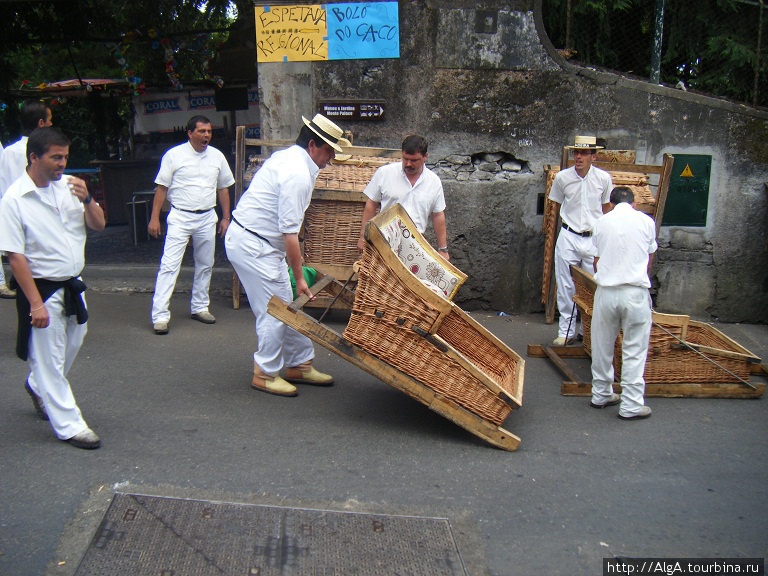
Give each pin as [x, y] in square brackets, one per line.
[712, 46]
[164, 43]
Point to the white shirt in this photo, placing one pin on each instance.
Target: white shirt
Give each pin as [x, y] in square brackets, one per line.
[390, 185]
[581, 199]
[624, 238]
[192, 178]
[46, 225]
[278, 196]
[13, 163]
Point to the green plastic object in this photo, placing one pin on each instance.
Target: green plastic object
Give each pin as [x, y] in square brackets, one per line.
[310, 277]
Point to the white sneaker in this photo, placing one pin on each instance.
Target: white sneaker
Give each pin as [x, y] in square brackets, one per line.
[160, 327]
[6, 292]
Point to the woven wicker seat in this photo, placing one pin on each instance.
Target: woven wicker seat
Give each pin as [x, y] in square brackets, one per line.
[403, 314]
[680, 350]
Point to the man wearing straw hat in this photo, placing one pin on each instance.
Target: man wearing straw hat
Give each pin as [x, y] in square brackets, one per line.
[625, 240]
[263, 236]
[581, 194]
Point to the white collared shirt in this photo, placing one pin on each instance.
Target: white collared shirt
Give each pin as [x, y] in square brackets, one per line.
[390, 185]
[279, 195]
[13, 163]
[581, 199]
[192, 177]
[46, 225]
[624, 238]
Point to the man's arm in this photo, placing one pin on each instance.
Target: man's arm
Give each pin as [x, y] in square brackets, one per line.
[161, 192]
[37, 311]
[368, 212]
[226, 217]
[293, 256]
[94, 215]
[441, 233]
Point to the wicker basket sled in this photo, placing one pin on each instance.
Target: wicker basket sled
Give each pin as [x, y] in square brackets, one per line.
[685, 357]
[405, 329]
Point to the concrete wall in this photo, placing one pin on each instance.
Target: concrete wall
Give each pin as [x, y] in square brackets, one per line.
[498, 103]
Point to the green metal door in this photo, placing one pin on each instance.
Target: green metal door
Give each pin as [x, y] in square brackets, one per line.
[688, 194]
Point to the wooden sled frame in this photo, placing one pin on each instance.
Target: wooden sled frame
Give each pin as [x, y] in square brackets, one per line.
[293, 316]
[586, 285]
[574, 386]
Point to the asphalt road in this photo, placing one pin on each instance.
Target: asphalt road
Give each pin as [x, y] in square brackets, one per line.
[177, 417]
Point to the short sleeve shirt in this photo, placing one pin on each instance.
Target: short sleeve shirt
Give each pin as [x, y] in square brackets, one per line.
[390, 186]
[581, 199]
[192, 178]
[13, 163]
[46, 225]
[624, 238]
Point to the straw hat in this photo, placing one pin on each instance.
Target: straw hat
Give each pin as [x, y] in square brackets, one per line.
[326, 129]
[344, 143]
[585, 142]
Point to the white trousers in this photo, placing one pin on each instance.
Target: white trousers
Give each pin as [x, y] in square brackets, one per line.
[182, 226]
[52, 351]
[570, 249]
[263, 273]
[627, 308]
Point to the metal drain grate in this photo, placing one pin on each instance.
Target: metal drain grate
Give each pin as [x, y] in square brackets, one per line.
[155, 536]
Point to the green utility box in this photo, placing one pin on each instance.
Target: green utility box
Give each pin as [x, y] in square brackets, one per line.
[688, 195]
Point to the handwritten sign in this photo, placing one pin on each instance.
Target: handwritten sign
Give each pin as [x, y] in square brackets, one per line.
[327, 32]
[365, 30]
[291, 33]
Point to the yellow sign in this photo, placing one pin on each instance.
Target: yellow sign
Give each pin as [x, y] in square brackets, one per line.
[291, 33]
[686, 173]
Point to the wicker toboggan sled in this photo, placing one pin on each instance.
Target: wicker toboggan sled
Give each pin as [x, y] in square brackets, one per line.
[405, 330]
[686, 358]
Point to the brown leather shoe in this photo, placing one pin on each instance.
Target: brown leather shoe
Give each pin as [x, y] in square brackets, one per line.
[271, 384]
[306, 374]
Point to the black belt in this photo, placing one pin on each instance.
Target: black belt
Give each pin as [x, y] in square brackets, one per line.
[191, 211]
[259, 236]
[586, 234]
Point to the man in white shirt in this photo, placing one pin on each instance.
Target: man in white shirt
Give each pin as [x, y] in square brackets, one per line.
[581, 194]
[625, 240]
[263, 236]
[191, 176]
[412, 185]
[43, 220]
[13, 162]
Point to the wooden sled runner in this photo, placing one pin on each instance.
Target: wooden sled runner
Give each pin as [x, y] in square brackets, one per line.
[686, 358]
[405, 330]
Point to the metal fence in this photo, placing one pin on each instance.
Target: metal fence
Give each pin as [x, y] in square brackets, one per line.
[713, 47]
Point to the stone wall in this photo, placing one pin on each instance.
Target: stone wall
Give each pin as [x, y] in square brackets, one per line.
[497, 103]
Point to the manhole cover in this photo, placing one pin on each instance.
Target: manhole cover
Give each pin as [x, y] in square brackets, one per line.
[154, 536]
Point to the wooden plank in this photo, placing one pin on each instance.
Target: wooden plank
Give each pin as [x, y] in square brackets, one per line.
[663, 190]
[333, 341]
[687, 390]
[537, 351]
[759, 369]
[708, 350]
[562, 366]
[316, 288]
[339, 195]
[367, 151]
[338, 271]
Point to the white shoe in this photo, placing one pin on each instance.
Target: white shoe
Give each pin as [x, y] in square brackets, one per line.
[87, 439]
[561, 341]
[160, 327]
[6, 292]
